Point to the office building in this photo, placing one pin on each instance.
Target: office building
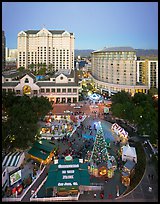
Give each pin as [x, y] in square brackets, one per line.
[52, 48]
[11, 55]
[147, 73]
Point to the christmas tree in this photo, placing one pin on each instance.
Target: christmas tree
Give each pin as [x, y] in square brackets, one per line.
[99, 153]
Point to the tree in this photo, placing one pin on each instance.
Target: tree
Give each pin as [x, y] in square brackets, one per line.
[21, 69]
[100, 152]
[153, 91]
[121, 97]
[23, 113]
[31, 67]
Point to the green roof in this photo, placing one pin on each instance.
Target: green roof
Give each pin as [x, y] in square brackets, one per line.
[37, 153]
[67, 177]
[42, 149]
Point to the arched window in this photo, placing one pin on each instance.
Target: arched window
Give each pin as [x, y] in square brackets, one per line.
[26, 80]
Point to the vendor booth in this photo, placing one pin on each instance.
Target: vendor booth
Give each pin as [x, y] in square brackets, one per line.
[129, 153]
[42, 151]
[66, 176]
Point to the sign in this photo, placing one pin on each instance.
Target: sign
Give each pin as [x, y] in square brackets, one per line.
[68, 158]
[106, 110]
[67, 166]
[15, 177]
[68, 184]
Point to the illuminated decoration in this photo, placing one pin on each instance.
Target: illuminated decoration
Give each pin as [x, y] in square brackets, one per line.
[110, 173]
[100, 156]
[45, 130]
[119, 130]
[26, 89]
[99, 153]
[68, 158]
[19, 189]
[125, 179]
[102, 171]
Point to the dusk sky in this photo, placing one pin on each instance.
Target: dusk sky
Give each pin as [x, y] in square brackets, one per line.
[94, 24]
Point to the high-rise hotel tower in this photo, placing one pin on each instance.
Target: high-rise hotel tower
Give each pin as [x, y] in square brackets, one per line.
[114, 69]
[54, 48]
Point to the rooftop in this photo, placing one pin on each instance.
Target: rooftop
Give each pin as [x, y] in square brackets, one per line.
[116, 49]
[55, 32]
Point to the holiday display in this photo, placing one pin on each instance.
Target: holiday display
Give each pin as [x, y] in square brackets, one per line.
[99, 153]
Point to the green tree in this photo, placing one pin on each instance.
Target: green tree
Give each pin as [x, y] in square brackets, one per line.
[121, 97]
[153, 91]
[21, 69]
[23, 112]
[31, 67]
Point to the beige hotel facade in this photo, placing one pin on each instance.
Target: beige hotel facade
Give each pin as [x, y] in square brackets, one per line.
[55, 48]
[115, 69]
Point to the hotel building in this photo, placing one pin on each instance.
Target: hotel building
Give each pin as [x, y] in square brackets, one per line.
[114, 69]
[54, 48]
[147, 72]
[62, 87]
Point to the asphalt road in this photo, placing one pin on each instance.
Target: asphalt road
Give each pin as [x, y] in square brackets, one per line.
[35, 186]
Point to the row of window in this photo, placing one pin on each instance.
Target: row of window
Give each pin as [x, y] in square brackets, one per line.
[53, 90]
[58, 90]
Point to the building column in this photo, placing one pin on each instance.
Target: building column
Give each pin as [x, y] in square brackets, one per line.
[109, 92]
[137, 71]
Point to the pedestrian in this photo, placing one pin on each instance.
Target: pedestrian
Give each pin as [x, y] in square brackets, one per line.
[95, 195]
[149, 176]
[110, 196]
[101, 195]
[152, 176]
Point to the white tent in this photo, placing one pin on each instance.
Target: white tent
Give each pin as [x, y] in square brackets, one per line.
[95, 97]
[129, 153]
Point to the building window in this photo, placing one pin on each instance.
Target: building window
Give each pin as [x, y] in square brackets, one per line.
[61, 78]
[18, 92]
[26, 80]
[42, 90]
[53, 90]
[69, 90]
[74, 90]
[47, 90]
[69, 79]
[9, 90]
[35, 91]
[58, 90]
[63, 90]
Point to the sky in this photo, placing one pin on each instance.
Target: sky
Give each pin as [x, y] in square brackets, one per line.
[95, 24]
